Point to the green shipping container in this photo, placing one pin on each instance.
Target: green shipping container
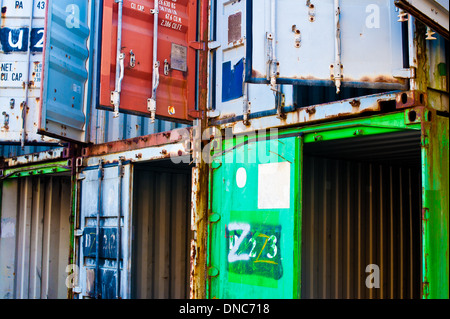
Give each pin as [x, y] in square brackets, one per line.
[350, 209]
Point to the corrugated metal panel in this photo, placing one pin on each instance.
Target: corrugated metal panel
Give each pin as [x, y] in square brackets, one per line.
[66, 69]
[105, 245]
[14, 150]
[357, 42]
[34, 243]
[172, 88]
[162, 238]
[105, 128]
[356, 214]
[21, 44]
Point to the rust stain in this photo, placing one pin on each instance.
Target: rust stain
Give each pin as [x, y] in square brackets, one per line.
[4, 15]
[257, 74]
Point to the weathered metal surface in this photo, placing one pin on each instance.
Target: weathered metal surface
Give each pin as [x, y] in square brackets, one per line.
[369, 44]
[321, 112]
[36, 169]
[102, 201]
[157, 139]
[361, 206]
[67, 69]
[34, 237]
[435, 207]
[434, 13]
[281, 43]
[392, 165]
[177, 152]
[255, 241]
[34, 157]
[162, 231]
[229, 96]
[21, 38]
[437, 68]
[176, 58]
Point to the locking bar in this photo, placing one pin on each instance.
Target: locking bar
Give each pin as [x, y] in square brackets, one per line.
[151, 102]
[120, 57]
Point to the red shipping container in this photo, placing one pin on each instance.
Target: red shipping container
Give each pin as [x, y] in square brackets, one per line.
[176, 53]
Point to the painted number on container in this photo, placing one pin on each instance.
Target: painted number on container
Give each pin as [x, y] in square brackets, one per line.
[41, 5]
[170, 15]
[108, 242]
[16, 39]
[254, 249]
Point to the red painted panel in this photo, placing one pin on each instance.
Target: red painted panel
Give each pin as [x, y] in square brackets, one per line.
[177, 30]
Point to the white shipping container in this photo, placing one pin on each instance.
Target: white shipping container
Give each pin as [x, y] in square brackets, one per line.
[21, 46]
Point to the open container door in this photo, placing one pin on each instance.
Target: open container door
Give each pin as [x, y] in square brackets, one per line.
[67, 59]
[254, 231]
[148, 58]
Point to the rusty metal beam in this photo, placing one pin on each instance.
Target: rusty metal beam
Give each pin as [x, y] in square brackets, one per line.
[199, 212]
[157, 139]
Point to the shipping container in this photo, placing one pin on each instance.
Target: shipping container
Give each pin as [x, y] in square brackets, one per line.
[89, 124]
[149, 58]
[134, 220]
[260, 50]
[35, 231]
[22, 43]
[346, 209]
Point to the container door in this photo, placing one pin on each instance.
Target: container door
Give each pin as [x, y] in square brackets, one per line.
[435, 207]
[330, 42]
[104, 246]
[231, 96]
[67, 61]
[255, 219]
[137, 79]
[21, 44]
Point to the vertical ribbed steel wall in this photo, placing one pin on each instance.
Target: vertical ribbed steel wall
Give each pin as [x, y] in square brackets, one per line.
[35, 229]
[354, 215]
[162, 233]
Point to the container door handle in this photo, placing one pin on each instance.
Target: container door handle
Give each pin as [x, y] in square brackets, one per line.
[151, 102]
[115, 95]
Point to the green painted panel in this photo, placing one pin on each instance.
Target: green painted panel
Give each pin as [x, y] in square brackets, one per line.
[255, 245]
[37, 169]
[435, 180]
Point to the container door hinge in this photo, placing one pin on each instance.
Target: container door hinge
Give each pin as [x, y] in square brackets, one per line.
[81, 176]
[246, 105]
[213, 272]
[424, 141]
[425, 214]
[195, 114]
[214, 45]
[281, 102]
[425, 289]
[408, 73]
[78, 232]
[214, 218]
[196, 45]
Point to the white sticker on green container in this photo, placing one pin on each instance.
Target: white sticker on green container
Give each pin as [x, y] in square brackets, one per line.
[274, 182]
